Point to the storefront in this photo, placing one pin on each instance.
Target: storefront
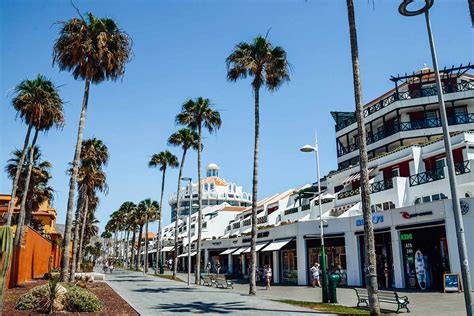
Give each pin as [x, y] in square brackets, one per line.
[425, 255]
[289, 266]
[334, 245]
[384, 257]
[216, 257]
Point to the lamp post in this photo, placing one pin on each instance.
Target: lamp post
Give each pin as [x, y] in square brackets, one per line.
[189, 224]
[458, 221]
[315, 149]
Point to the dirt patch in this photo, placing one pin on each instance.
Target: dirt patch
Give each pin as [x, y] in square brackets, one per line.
[112, 303]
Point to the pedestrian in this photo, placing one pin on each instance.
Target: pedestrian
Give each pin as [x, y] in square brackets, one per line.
[315, 274]
[268, 276]
[208, 267]
[218, 267]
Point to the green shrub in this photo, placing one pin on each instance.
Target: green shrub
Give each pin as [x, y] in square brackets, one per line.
[27, 302]
[87, 266]
[81, 300]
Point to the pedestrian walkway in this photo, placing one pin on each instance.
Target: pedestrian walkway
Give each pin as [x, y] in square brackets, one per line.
[421, 303]
[151, 295]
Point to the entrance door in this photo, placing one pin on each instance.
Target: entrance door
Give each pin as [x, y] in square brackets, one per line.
[383, 254]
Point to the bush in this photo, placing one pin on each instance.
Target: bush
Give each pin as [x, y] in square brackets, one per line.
[27, 302]
[81, 300]
[87, 266]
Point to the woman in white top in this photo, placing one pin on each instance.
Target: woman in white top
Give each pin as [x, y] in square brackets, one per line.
[268, 276]
[315, 274]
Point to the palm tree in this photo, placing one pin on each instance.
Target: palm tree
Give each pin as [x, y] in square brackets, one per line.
[38, 103]
[91, 178]
[94, 49]
[370, 259]
[269, 67]
[38, 191]
[196, 114]
[150, 209]
[186, 138]
[127, 210]
[163, 160]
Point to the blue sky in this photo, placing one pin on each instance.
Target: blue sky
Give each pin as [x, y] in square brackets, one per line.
[179, 52]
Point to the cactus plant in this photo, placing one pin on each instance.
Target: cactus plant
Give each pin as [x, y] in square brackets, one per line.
[6, 250]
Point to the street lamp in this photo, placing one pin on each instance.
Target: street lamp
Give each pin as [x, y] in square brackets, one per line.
[315, 149]
[189, 224]
[458, 221]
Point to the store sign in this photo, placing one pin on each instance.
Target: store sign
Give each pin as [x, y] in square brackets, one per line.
[407, 215]
[406, 236]
[376, 219]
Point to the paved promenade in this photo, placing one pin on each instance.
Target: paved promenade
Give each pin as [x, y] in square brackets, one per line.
[151, 295]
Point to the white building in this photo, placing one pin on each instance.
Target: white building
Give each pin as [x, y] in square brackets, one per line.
[410, 195]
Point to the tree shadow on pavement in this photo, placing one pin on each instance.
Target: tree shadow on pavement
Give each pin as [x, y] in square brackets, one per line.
[171, 289]
[221, 308]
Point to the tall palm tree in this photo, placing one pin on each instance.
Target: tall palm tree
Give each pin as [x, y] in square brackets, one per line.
[196, 114]
[128, 209]
[91, 178]
[38, 103]
[370, 259]
[141, 220]
[163, 160]
[38, 191]
[187, 139]
[94, 49]
[269, 67]
[150, 209]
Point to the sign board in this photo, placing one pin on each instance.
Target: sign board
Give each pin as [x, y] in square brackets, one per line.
[451, 282]
[376, 219]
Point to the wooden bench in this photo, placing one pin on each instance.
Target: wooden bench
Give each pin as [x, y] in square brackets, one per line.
[207, 279]
[221, 281]
[384, 297]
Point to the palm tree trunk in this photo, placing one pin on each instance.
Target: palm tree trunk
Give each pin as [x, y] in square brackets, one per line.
[11, 205]
[72, 186]
[159, 258]
[132, 252]
[253, 243]
[145, 260]
[126, 248]
[75, 239]
[83, 228]
[19, 233]
[197, 279]
[370, 259]
[175, 252]
[138, 261]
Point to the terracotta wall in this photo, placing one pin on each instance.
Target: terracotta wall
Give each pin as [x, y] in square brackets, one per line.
[32, 259]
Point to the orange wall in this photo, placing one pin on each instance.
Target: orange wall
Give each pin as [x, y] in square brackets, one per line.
[32, 259]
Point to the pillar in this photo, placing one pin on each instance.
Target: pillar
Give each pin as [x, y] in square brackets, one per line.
[353, 268]
[229, 259]
[206, 257]
[301, 257]
[397, 257]
[276, 266]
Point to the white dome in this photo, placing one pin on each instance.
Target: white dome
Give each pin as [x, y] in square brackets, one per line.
[212, 166]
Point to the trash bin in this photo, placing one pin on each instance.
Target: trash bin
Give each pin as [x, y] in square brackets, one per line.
[334, 280]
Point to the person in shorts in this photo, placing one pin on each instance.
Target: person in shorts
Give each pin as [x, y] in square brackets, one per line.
[315, 274]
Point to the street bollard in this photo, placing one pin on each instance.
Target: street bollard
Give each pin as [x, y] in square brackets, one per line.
[334, 280]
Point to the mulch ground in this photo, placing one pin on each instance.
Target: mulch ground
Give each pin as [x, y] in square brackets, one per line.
[112, 303]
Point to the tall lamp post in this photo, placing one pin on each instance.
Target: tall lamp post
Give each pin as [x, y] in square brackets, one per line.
[466, 276]
[189, 224]
[315, 149]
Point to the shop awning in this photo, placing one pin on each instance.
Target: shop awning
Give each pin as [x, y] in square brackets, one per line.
[354, 177]
[277, 245]
[168, 248]
[228, 251]
[186, 254]
[239, 251]
[149, 251]
[257, 248]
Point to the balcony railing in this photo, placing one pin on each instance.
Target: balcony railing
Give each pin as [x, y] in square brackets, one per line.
[426, 177]
[236, 225]
[373, 187]
[262, 219]
[407, 95]
[291, 210]
[407, 126]
[462, 167]
[247, 222]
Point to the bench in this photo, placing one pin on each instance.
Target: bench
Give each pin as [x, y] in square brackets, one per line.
[384, 297]
[221, 281]
[207, 279]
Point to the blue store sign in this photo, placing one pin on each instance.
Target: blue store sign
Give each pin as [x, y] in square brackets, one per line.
[376, 219]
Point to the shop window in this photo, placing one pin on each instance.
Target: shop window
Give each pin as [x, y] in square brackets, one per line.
[426, 199]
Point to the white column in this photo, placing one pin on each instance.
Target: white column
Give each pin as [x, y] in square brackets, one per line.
[276, 267]
[451, 239]
[229, 259]
[397, 257]
[244, 264]
[301, 255]
[206, 257]
[352, 259]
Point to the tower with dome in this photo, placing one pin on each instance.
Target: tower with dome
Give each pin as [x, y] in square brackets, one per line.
[214, 190]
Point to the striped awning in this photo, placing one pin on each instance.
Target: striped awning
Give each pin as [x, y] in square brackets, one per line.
[354, 177]
[167, 248]
[186, 254]
[257, 247]
[239, 251]
[228, 251]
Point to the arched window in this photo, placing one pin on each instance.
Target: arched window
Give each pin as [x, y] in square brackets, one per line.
[206, 186]
[212, 186]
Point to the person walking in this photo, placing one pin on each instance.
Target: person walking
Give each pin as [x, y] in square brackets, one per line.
[208, 268]
[315, 274]
[218, 267]
[268, 276]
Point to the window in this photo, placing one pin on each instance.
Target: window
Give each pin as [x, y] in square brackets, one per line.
[212, 186]
[206, 186]
[395, 172]
[426, 199]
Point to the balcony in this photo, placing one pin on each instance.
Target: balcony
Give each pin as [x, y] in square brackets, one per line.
[247, 222]
[407, 126]
[291, 210]
[262, 220]
[462, 167]
[236, 225]
[426, 177]
[408, 95]
[373, 187]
